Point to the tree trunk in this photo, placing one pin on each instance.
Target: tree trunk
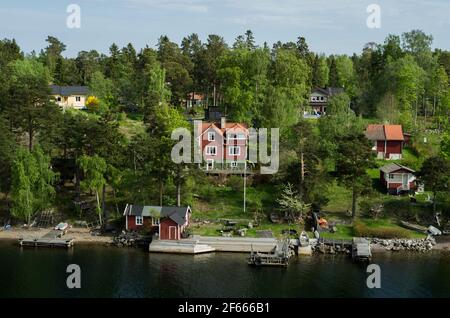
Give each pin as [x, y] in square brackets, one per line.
[104, 203]
[179, 193]
[98, 207]
[354, 198]
[115, 201]
[302, 173]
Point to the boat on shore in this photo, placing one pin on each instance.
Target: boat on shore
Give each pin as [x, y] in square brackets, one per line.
[414, 227]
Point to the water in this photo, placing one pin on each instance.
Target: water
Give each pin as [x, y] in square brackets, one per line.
[121, 272]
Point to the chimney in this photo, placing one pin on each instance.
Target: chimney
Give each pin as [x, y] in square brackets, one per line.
[223, 122]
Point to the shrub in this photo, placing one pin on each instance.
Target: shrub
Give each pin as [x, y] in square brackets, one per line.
[236, 183]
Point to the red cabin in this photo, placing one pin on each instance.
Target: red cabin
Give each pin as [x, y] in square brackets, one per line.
[388, 140]
[169, 222]
[397, 178]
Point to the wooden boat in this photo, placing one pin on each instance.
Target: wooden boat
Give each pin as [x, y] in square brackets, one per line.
[414, 227]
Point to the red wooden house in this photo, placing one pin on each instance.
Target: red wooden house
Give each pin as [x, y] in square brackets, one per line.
[224, 146]
[397, 179]
[169, 222]
[388, 140]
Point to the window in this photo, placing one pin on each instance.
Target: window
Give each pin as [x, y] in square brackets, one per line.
[139, 220]
[234, 151]
[211, 150]
[58, 98]
[234, 164]
[236, 136]
[78, 98]
[211, 136]
[209, 164]
[391, 176]
[155, 221]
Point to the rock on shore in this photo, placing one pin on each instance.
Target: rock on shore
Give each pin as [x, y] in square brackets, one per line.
[416, 245]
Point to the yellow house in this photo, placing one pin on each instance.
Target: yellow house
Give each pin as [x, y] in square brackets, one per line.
[70, 96]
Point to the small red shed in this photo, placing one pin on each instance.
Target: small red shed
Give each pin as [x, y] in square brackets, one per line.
[169, 222]
[388, 140]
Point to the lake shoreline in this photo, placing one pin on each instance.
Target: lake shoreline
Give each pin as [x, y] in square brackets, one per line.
[83, 237]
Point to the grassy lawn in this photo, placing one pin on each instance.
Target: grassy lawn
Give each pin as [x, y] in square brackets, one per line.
[344, 232]
[131, 127]
[383, 228]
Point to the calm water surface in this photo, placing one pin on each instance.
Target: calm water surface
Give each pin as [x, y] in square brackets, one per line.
[121, 272]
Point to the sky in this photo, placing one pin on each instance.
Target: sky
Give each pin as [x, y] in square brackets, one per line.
[329, 26]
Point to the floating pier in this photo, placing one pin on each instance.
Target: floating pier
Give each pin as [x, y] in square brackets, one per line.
[179, 247]
[51, 239]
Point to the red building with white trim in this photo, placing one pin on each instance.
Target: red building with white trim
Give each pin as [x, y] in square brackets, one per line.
[169, 222]
[388, 140]
[224, 145]
[397, 179]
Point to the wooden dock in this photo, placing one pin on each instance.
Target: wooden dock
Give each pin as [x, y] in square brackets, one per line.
[278, 256]
[361, 249]
[51, 239]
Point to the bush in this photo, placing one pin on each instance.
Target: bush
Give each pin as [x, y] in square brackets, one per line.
[236, 183]
[363, 230]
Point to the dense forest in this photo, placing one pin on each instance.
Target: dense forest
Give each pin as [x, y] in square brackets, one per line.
[118, 151]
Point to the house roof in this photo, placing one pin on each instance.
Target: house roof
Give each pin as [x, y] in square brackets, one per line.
[384, 132]
[223, 130]
[69, 90]
[393, 132]
[177, 214]
[392, 167]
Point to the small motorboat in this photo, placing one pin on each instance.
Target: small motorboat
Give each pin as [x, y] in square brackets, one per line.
[62, 226]
[304, 239]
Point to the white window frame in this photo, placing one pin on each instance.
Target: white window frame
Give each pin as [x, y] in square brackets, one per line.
[139, 220]
[78, 98]
[233, 164]
[208, 150]
[155, 221]
[238, 153]
[211, 136]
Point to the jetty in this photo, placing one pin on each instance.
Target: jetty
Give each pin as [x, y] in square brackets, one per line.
[54, 238]
[361, 249]
[278, 256]
[179, 247]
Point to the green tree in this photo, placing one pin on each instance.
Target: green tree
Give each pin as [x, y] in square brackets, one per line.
[435, 174]
[32, 183]
[94, 169]
[320, 71]
[353, 160]
[291, 203]
[7, 150]
[29, 97]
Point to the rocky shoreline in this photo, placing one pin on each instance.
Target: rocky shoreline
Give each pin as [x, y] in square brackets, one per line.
[414, 245]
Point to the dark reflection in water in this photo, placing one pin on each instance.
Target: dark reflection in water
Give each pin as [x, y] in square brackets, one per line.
[114, 272]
